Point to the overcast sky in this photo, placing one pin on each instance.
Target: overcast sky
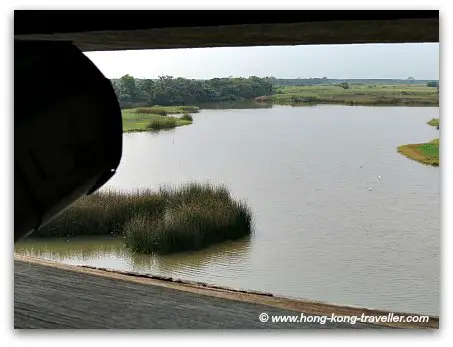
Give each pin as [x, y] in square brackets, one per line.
[420, 61]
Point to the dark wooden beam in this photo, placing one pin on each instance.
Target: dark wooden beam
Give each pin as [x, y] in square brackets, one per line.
[125, 30]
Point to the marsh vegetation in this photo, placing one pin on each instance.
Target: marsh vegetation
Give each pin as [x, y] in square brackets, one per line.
[354, 94]
[190, 217]
[156, 117]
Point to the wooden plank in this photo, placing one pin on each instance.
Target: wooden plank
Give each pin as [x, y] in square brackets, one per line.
[50, 295]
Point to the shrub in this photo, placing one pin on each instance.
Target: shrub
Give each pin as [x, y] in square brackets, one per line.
[190, 109]
[187, 117]
[164, 123]
[152, 110]
[305, 99]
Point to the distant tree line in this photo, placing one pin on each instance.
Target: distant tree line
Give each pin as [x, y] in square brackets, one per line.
[167, 90]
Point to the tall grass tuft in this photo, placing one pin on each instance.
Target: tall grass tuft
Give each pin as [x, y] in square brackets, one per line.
[190, 109]
[102, 214]
[164, 123]
[195, 217]
[152, 110]
[172, 219]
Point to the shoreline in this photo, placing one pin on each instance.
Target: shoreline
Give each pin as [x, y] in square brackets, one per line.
[346, 103]
[357, 104]
[144, 130]
[414, 152]
[355, 94]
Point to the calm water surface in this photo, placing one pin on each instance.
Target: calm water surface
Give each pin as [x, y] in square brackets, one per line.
[320, 232]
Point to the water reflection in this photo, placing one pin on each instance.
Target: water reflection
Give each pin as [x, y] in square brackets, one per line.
[83, 248]
[90, 250]
[232, 252]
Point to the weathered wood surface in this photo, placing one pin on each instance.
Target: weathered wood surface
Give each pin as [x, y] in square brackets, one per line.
[304, 33]
[73, 298]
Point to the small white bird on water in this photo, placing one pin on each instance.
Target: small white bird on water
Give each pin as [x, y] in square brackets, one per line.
[370, 189]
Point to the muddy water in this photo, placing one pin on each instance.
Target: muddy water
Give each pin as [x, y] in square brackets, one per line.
[320, 232]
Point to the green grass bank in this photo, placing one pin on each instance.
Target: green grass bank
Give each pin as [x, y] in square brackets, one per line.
[367, 95]
[156, 118]
[425, 153]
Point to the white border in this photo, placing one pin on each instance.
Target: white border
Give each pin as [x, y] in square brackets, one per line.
[227, 338]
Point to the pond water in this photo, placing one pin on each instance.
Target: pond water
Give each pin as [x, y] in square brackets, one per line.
[320, 232]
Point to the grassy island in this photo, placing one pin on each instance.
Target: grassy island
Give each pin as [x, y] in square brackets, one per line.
[426, 153]
[156, 117]
[171, 219]
[434, 122]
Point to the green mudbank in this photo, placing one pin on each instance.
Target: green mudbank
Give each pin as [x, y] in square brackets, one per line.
[156, 118]
[349, 94]
[435, 122]
[190, 217]
[425, 153]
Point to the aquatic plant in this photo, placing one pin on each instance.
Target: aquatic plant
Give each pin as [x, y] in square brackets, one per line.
[189, 217]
